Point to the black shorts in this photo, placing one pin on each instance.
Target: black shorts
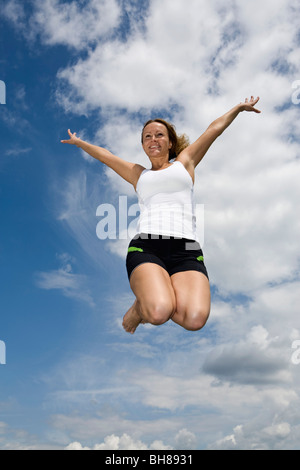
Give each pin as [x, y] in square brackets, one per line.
[173, 254]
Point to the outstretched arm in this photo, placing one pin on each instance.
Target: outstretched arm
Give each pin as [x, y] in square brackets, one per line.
[127, 170]
[192, 155]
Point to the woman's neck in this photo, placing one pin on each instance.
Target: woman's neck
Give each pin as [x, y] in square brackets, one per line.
[160, 163]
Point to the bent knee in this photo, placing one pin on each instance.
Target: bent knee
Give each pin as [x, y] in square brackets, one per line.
[160, 313]
[195, 320]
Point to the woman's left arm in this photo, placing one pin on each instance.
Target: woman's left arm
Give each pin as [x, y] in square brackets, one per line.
[193, 154]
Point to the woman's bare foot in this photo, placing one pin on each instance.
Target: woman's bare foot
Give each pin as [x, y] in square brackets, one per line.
[132, 319]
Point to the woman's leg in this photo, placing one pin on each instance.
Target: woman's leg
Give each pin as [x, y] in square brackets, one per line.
[155, 298]
[193, 299]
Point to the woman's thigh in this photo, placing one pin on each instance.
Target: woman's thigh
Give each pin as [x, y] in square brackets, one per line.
[193, 299]
[153, 289]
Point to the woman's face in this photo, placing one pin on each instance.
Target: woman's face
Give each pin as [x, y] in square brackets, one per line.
[156, 142]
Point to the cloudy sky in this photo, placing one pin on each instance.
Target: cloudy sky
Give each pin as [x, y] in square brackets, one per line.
[73, 378]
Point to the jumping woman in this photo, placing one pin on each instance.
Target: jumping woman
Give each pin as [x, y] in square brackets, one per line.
[165, 263]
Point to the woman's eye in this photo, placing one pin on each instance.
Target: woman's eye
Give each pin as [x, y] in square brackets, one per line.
[148, 136]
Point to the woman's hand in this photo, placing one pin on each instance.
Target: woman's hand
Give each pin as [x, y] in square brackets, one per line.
[249, 105]
[73, 139]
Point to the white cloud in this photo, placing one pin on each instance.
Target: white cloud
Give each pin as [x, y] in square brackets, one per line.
[249, 362]
[257, 379]
[15, 151]
[76, 446]
[72, 285]
[107, 430]
[275, 436]
[3, 427]
[124, 442]
[153, 69]
[76, 198]
[74, 24]
[13, 10]
[186, 440]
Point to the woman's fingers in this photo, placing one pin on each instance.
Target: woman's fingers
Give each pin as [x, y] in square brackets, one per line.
[72, 136]
[251, 103]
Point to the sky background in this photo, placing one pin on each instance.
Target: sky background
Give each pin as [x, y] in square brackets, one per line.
[73, 378]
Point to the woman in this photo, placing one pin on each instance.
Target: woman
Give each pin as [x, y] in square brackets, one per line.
[165, 263]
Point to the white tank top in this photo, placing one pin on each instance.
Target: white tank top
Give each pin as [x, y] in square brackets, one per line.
[166, 200]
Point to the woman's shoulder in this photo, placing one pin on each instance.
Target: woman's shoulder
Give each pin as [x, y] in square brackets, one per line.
[139, 170]
[187, 164]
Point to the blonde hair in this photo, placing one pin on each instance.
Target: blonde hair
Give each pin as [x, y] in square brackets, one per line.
[179, 142]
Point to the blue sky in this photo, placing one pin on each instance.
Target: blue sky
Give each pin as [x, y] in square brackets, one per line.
[73, 378]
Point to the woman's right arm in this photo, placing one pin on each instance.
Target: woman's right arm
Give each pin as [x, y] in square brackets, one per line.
[128, 171]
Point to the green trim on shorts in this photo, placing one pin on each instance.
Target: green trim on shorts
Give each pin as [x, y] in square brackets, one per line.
[201, 258]
[132, 249]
